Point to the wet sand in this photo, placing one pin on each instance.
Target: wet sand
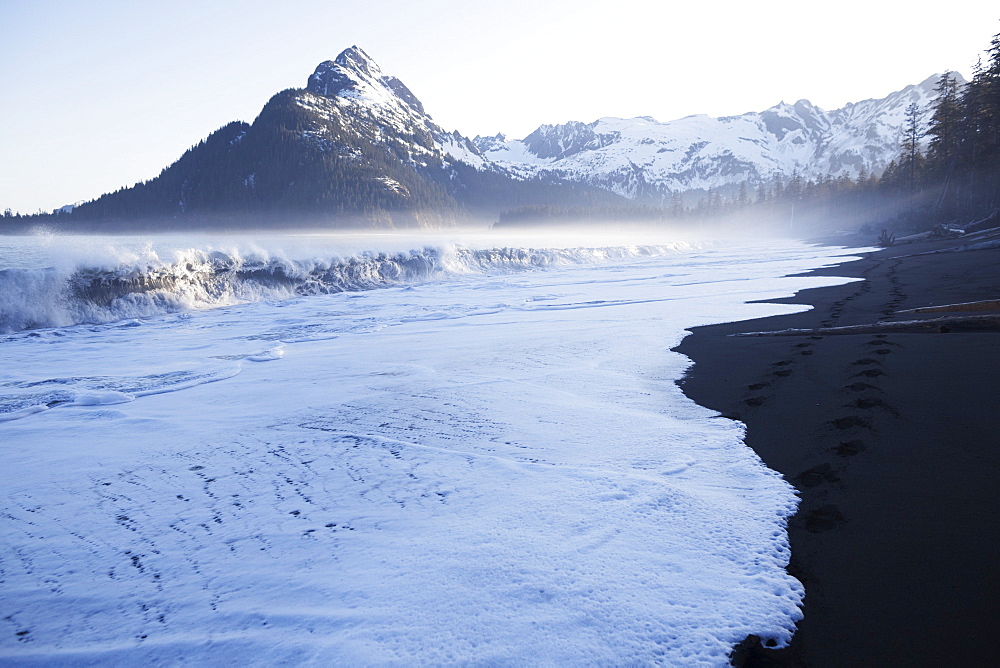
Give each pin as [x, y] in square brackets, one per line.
[893, 441]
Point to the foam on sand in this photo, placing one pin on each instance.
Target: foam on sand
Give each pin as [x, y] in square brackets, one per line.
[493, 468]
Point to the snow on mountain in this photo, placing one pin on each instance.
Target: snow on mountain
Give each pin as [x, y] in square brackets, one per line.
[638, 158]
[68, 208]
[645, 158]
[381, 107]
[357, 146]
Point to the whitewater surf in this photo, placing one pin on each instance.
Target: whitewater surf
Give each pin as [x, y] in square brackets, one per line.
[366, 453]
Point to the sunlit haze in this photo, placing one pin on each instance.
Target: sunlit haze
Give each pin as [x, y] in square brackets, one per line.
[102, 94]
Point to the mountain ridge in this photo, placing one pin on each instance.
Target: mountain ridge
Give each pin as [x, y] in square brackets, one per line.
[644, 158]
[356, 147]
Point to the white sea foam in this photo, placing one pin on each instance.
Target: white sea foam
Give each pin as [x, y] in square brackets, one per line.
[490, 467]
[122, 279]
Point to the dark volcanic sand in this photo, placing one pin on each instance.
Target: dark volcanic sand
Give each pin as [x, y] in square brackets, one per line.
[893, 441]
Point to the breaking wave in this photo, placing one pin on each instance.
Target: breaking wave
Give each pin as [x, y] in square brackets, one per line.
[196, 279]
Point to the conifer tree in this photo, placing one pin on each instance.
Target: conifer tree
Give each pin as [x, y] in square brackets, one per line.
[676, 204]
[761, 193]
[742, 198]
[778, 188]
[912, 133]
[944, 128]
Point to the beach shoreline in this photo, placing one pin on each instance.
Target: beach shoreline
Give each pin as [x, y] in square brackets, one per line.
[890, 439]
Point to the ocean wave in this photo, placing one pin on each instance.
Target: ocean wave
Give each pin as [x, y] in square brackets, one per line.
[197, 279]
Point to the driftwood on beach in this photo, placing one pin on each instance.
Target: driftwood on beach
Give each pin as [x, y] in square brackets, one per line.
[985, 305]
[943, 325]
[972, 323]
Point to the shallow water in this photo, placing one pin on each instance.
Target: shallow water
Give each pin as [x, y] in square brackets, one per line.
[489, 462]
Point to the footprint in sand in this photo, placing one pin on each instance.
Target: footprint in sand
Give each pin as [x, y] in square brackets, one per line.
[850, 421]
[849, 448]
[882, 342]
[861, 387]
[782, 373]
[868, 403]
[817, 475]
[823, 519]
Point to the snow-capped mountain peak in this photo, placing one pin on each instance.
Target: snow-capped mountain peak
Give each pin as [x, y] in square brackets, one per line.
[354, 75]
[354, 57]
[382, 108]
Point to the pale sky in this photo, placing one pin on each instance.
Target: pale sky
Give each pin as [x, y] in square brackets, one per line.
[99, 94]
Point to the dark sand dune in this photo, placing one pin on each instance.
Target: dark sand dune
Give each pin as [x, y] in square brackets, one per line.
[893, 439]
